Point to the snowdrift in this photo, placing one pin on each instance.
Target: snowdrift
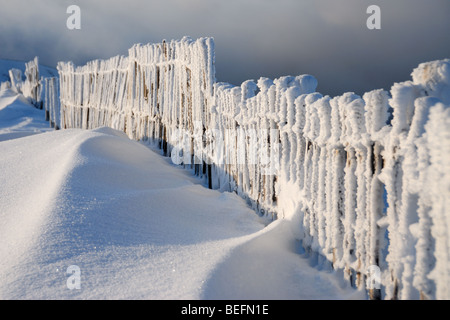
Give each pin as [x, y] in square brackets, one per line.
[18, 118]
[135, 225]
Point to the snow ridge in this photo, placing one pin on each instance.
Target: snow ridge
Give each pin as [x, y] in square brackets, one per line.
[98, 200]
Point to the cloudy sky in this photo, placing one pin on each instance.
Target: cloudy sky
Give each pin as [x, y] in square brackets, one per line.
[326, 38]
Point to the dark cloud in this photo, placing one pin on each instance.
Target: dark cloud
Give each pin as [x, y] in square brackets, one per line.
[254, 38]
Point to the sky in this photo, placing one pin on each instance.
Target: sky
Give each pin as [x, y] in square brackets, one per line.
[328, 39]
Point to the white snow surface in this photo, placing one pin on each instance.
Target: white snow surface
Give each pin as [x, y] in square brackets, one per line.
[137, 226]
[18, 118]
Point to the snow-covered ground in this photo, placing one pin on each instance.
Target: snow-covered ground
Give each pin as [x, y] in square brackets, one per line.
[18, 119]
[135, 225]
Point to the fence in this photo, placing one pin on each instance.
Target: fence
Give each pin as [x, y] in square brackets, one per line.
[41, 92]
[345, 154]
[365, 180]
[31, 87]
[148, 94]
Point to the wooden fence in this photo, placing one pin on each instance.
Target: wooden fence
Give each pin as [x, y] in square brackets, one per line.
[148, 94]
[42, 92]
[365, 180]
[31, 87]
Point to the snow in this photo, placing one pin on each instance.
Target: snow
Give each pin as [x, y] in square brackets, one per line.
[434, 76]
[238, 277]
[136, 225]
[18, 118]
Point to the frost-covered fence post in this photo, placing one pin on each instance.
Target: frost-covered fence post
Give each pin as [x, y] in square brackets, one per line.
[335, 205]
[15, 75]
[31, 88]
[357, 137]
[323, 108]
[300, 110]
[282, 84]
[63, 91]
[51, 102]
[266, 174]
[47, 102]
[402, 102]
[246, 142]
[309, 171]
[411, 190]
[273, 141]
[435, 194]
[348, 110]
[377, 115]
